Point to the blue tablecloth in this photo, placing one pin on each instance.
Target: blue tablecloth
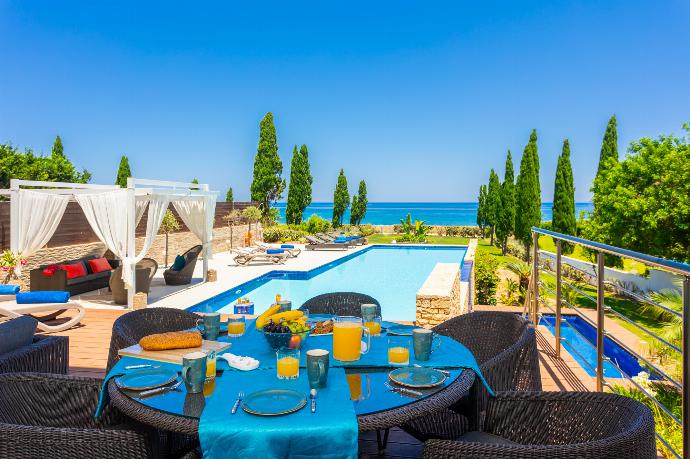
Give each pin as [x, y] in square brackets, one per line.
[329, 433]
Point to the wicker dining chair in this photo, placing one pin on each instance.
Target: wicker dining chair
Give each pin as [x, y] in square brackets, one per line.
[46, 354]
[184, 275]
[129, 328]
[340, 303]
[52, 416]
[505, 347]
[558, 425]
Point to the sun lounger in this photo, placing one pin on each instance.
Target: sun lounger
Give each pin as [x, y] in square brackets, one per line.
[10, 309]
[353, 240]
[334, 240]
[276, 256]
[289, 248]
[318, 244]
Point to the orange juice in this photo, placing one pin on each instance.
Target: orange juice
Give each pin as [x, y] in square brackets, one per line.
[235, 328]
[373, 327]
[347, 339]
[288, 367]
[398, 355]
[354, 380]
[210, 367]
[209, 387]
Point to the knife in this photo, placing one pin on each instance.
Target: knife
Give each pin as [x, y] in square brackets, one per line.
[159, 390]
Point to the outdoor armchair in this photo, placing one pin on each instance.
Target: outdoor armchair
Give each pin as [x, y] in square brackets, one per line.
[559, 425]
[47, 354]
[184, 275]
[340, 303]
[145, 271]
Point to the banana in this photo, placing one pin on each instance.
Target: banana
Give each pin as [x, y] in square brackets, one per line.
[263, 318]
[287, 315]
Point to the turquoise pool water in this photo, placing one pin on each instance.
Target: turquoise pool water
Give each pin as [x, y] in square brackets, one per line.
[391, 274]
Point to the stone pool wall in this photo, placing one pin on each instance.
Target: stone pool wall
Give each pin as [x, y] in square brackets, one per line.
[439, 298]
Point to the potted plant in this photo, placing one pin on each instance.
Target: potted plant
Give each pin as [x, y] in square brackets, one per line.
[9, 262]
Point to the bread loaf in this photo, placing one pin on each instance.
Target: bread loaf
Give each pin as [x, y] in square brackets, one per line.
[170, 340]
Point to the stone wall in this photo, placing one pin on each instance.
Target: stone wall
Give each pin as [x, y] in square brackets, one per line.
[177, 244]
[439, 298]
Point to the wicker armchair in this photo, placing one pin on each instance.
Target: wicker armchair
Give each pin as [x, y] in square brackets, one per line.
[129, 328]
[340, 303]
[145, 271]
[47, 354]
[558, 425]
[52, 416]
[183, 276]
[505, 347]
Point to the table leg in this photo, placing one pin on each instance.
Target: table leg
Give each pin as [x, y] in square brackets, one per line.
[382, 444]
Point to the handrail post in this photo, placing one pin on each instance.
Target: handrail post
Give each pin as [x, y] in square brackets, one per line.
[535, 278]
[558, 297]
[686, 364]
[600, 321]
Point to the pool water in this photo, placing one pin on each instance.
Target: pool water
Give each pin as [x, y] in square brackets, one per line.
[391, 274]
[585, 342]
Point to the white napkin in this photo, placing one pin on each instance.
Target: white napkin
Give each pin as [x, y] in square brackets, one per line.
[239, 362]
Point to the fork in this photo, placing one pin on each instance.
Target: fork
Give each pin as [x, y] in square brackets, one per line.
[240, 396]
[403, 390]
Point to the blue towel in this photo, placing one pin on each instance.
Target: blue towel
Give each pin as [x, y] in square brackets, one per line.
[42, 297]
[274, 251]
[9, 289]
[340, 240]
[287, 246]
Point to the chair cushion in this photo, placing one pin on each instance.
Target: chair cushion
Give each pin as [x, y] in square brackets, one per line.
[275, 251]
[178, 264]
[74, 270]
[99, 265]
[49, 270]
[287, 246]
[17, 333]
[42, 296]
[484, 437]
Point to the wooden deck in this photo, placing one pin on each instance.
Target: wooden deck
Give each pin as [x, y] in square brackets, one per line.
[89, 353]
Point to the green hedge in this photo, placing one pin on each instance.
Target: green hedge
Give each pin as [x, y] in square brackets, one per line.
[282, 233]
[485, 278]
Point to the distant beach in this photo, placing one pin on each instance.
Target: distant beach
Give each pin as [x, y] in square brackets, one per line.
[433, 213]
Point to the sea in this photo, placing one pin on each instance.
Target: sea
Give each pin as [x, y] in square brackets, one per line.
[433, 213]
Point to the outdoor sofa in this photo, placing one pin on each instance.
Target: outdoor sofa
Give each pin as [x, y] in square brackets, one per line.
[45, 278]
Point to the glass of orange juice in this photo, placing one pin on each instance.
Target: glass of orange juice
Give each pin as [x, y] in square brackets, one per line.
[287, 363]
[399, 350]
[360, 386]
[373, 325]
[236, 326]
[210, 366]
[347, 338]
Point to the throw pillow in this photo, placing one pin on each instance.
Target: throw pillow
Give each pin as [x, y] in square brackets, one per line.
[17, 333]
[49, 270]
[74, 270]
[99, 265]
[178, 264]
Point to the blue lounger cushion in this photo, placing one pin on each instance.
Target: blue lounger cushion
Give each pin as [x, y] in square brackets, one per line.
[9, 289]
[46, 296]
[287, 246]
[340, 240]
[274, 251]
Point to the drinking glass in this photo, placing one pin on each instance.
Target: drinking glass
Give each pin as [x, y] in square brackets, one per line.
[211, 366]
[317, 367]
[347, 338]
[236, 327]
[360, 386]
[369, 311]
[373, 324]
[287, 363]
[399, 350]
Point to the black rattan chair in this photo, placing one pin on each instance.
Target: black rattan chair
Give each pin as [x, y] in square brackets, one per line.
[340, 303]
[505, 347]
[52, 416]
[47, 354]
[558, 425]
[184, 275]
[129, 328]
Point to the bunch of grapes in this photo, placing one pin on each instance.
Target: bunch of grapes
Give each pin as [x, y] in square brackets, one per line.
[272, 327]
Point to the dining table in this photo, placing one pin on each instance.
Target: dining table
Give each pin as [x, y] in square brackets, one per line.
[377, 404]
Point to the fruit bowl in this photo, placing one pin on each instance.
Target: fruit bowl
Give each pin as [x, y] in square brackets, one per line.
[291, 340]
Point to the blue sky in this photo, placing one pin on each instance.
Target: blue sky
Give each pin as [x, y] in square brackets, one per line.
[420, 99]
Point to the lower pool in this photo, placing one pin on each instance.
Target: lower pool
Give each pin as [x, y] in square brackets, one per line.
[391, 274]
[584, 342]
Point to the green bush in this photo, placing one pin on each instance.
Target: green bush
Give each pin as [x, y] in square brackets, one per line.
[485, 278]
[316, 224]
[282, 233]
[366, 230]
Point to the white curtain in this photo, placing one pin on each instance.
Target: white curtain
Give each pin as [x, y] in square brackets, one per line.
[107, 214]
[38, 216]
[142, 202]
[198, 214]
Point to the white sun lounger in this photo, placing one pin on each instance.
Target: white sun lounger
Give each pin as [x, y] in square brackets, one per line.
[243, 257]
[291, 252]
[11, 310]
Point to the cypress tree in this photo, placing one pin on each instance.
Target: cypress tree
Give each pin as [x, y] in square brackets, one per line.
[528, 195]
[123, 172]
[267, 185]
[481, 209]
[609, 147]
[341, 199]
[228, 196]
[354, 209]
[293, 214]
[506, 221]
[564, 198]
[57, 151]
[362, 201]
[493, 208]
[307, 178]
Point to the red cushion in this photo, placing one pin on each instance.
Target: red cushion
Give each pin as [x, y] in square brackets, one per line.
[98, 265]
[74, 270]
[49, 270]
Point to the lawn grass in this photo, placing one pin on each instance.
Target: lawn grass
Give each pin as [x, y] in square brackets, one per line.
[547, 243]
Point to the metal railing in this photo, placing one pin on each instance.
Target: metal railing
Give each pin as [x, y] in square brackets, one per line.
[601, 250]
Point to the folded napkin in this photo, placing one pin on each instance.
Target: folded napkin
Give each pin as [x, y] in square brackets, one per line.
[9, 289]
[46, 296]
[239, 362]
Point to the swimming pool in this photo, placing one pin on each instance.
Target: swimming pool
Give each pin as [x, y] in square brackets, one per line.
[391, 274]
[584, 344]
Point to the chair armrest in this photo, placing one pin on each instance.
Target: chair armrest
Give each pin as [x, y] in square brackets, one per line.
[114, 263]
[47, 354]
[58, 281]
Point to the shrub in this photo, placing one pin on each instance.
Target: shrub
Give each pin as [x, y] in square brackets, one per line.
[282, 233]
[366, 230]
[316, 224]
[398, 229]
[451, 231]
[485, 278]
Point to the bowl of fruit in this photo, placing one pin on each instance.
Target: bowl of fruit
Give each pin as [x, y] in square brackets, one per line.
[284, 329]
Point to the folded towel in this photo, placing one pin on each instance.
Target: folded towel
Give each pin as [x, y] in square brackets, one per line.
[46, 296]
[240, 363]
[287, 246]
[9, 289]
[275, 251]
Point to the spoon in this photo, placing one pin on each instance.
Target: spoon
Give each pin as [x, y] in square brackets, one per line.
[312, 396]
